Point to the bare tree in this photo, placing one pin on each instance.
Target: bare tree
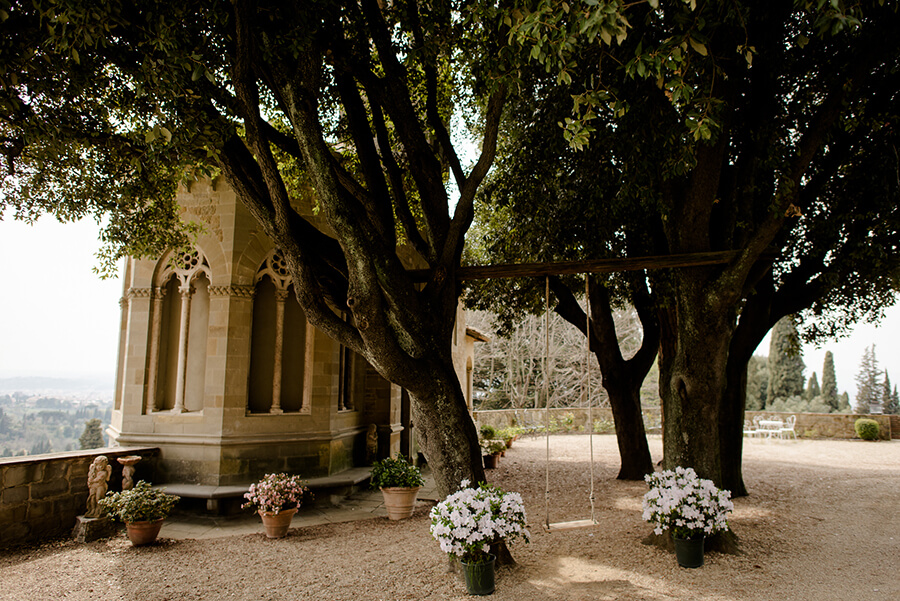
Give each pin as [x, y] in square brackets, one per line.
[509, 371]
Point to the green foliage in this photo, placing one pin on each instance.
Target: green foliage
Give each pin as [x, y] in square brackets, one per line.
[92, 437]
[493, 447]
[889, 400]
[893, 407]
[790, 176]
[508, 434]
[868, 390]
[487, 431]
[395, 472]
[798, 404]
[867, 429]
[844, 402]
[42, 446]
[51, 424]
[829, 382]
[604, 426]
[140, 504]
[785, 361]
[757, 383]
[812, 388]
[566, 423]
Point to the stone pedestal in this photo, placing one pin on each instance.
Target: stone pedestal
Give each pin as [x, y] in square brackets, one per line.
[90, 529]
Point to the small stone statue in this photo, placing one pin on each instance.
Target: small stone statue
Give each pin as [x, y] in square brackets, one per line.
[372, 443]
[98, 476]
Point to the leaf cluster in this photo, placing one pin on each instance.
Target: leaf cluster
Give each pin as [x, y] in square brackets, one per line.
[395, 472]
[139, 504]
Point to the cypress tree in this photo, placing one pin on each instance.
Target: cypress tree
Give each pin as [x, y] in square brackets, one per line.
[844, 402]
[757, 383]
[888, 402]
[829, 382]
[92, 437]
[812, 388]
[785, 362]
[868, 392]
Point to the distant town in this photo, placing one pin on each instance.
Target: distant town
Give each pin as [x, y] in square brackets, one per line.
[48, 415]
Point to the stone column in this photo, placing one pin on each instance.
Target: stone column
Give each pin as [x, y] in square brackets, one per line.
[183, 330]
[156, 304]
[280, 297]
[121, 378]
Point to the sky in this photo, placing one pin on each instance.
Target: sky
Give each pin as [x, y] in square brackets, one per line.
[59, 319]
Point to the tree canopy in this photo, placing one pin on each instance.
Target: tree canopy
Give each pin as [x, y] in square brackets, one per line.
[756, 127]
[105, 107]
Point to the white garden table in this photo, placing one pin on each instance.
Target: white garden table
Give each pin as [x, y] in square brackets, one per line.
[770, 427]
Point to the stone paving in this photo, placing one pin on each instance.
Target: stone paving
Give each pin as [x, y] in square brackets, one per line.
[363, 505]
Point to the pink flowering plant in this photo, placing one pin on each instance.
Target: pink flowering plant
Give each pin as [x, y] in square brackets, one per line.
[685, 504]
[467, 522]
[276, 492]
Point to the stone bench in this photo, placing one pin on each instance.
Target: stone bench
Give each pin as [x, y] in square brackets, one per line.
[331, 489]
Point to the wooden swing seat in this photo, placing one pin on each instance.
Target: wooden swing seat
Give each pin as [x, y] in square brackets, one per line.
[570, 525]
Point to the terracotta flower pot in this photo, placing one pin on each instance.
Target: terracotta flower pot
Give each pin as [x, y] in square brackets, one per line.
[400, 501]
[277, 524]
[143, 533]
[491, 461]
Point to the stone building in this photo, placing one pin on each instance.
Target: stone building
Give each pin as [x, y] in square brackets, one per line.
[219, 369]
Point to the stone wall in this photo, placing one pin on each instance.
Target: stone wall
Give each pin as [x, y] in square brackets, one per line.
[562, 420]
[828, 425]
[41, 495]
[809, 425]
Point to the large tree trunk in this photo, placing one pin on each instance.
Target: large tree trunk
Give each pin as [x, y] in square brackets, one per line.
[445, 429]
[692, 365]
[731, 427]
[753, 325]
[625, 402]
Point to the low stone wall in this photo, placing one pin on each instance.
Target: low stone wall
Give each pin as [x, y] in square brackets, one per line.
[41, 495]
[809, 425]
[564, 420]
[828, 425]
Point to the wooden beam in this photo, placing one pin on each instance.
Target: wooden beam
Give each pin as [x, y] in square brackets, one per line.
[487, 272]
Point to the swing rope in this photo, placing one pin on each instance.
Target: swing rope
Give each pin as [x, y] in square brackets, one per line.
[587, 394]
[547, 399]
[587, 382]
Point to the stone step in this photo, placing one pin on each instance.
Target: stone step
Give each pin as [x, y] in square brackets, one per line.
[336, 485]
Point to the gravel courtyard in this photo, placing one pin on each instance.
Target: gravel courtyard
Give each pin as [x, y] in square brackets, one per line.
[821, 523]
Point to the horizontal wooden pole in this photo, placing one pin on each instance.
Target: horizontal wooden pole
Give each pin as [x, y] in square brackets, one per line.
[517, 270]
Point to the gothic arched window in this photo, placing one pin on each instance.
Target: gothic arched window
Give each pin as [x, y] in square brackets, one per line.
[179, 337]
[281, 344]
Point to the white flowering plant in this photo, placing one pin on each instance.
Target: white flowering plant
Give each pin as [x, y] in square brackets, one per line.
[685, 504]
[276, 492]
[491, 446]
[470, 520]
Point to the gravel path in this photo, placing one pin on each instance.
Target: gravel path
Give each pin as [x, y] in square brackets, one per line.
[820, 524]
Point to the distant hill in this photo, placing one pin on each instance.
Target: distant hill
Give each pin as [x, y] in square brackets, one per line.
[99, 385]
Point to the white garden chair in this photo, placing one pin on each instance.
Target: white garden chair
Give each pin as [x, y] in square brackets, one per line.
[788, 427]
[750, 429]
